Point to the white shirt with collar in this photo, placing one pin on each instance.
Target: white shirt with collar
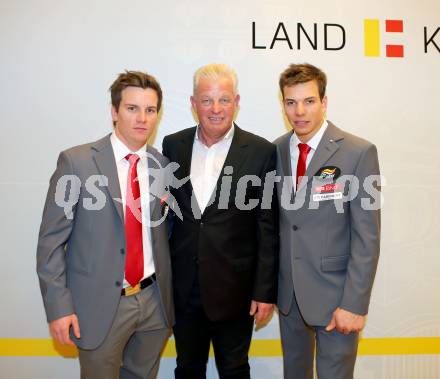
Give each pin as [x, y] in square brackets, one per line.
[121, 151]
[294, 151]
[206, 165]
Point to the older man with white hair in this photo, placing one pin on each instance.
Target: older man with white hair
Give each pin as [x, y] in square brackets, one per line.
[223, 251]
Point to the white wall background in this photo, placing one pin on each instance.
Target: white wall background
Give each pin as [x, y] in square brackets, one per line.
[58, 59]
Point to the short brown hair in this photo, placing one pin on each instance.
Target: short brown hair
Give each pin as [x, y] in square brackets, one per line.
[134, 79]
[303, 73]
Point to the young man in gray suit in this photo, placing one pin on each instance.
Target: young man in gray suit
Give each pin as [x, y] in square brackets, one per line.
[329, 234]
[103, 257]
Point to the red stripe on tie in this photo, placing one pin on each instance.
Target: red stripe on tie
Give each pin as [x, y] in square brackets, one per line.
[394, 26]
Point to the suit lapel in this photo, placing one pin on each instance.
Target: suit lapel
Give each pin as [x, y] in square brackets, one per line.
[184, 158]
[105, 161]
[325, 150]
[236, 155]
[152, 165]
[185, 152]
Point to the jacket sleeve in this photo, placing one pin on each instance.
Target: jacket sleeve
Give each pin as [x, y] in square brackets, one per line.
[365, 236]
[56, 226]
[266, 277]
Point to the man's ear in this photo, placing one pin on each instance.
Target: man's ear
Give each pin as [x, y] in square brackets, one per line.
[114, 114]
[237, 100]
[324, 102]
[193, 102]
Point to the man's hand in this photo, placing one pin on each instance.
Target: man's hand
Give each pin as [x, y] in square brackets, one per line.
[59, 329]
[261, 311]
[345, 322]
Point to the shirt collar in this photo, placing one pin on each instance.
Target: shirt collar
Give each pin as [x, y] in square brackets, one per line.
[121, 150]
[314, 141]
[229, 134]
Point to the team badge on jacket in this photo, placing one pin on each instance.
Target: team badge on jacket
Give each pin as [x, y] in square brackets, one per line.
[328, 173]
[329, 191]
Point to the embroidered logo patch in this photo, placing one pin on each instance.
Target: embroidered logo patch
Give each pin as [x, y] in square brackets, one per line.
[328, 173]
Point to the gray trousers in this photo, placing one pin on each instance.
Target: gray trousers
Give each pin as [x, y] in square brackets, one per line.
[131, 350]
[335, 352]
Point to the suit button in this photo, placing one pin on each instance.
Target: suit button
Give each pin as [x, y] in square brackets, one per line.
[294, 227]
[122, 251]
[195, 259]
[118, 283]
[201, 224]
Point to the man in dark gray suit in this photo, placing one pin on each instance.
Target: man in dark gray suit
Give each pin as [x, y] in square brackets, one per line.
[103, 257]
[329, 235]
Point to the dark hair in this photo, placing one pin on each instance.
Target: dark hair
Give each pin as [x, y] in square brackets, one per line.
[134, 79]
[302, 73]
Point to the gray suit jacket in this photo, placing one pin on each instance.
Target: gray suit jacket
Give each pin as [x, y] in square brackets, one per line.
[328, 259]
[81, 256]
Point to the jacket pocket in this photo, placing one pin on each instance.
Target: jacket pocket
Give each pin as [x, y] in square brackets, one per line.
[335, 263]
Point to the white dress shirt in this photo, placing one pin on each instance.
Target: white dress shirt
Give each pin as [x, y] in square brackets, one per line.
[206, 164]
[294, 151]
[120, 151]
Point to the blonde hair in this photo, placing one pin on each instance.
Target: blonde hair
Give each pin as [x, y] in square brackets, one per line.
[215, 71]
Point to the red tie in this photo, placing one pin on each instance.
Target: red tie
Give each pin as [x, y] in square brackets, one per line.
[304, 149]
[134, 261]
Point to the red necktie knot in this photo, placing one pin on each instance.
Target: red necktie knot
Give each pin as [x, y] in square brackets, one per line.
[304, 148]
[132, 158]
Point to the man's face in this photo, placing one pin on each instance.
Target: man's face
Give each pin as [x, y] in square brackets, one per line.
[304, 109]
[215, 103]
[136, 117]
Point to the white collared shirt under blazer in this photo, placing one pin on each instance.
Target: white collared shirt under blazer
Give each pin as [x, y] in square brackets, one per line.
[206, 166]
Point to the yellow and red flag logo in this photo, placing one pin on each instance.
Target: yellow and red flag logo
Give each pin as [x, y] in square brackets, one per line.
[372, 44]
